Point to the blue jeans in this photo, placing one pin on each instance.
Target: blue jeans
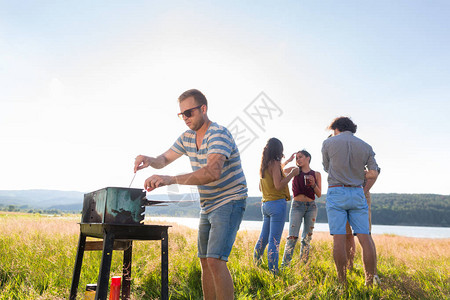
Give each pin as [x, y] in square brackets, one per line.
[217, 230]
[300, 210]
[274, 217]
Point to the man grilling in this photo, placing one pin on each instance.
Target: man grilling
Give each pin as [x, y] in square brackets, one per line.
[217, 172]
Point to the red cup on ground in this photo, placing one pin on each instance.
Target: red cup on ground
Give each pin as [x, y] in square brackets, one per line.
[114, 291]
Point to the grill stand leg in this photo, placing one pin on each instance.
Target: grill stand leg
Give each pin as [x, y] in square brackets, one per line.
[105, 267]
[164, 266]
[77, 267]
[126, 275]
[109, 233]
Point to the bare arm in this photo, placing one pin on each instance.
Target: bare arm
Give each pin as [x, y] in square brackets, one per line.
[278, 181]
[209, 173]
[371, 177]
[286, 171]
[288, 161]
[158, 162]
[317, 184]
[325, 158]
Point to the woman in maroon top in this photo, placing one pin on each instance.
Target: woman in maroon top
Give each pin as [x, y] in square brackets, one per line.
[305, 186]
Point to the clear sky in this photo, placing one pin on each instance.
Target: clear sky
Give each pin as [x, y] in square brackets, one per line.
[85, 86]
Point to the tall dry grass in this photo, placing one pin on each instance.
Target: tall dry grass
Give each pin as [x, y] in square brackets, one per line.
[37, 254]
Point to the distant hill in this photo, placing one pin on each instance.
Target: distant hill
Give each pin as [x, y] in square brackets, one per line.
[387, 209]
[42, 198]
[66, 201]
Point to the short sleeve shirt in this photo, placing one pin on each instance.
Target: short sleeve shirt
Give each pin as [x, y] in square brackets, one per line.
[232, 184]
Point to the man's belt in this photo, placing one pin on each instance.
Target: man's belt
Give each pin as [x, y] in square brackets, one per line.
[344, 185]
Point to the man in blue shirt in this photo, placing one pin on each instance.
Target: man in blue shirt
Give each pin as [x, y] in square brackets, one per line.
[217, 172]
[345, 159]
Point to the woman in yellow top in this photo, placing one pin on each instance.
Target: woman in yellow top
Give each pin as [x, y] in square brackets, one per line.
[275, 192]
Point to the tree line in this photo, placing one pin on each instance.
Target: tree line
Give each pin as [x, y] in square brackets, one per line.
[27, 209]
[387, 209]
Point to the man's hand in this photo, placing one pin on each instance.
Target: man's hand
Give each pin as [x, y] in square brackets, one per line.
[158, 162]
[156, 181]
[141, 162]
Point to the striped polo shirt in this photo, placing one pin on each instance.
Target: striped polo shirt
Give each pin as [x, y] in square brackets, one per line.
[232, 184]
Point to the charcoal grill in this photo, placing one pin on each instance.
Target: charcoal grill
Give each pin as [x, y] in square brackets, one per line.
[116, 215]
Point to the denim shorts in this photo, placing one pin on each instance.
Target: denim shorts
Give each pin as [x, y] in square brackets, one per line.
[217, 230]
[347, 204]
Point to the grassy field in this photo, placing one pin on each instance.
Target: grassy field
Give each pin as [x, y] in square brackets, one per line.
[37, 254]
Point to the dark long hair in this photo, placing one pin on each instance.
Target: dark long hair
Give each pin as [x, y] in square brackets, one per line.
[272, 151]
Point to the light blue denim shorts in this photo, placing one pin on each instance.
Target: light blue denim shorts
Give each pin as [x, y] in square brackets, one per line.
[217, 230]
[347, 203]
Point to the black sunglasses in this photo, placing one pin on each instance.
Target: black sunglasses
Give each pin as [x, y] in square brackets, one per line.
[188, 112]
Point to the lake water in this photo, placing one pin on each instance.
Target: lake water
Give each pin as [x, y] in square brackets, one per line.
[408, 231]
